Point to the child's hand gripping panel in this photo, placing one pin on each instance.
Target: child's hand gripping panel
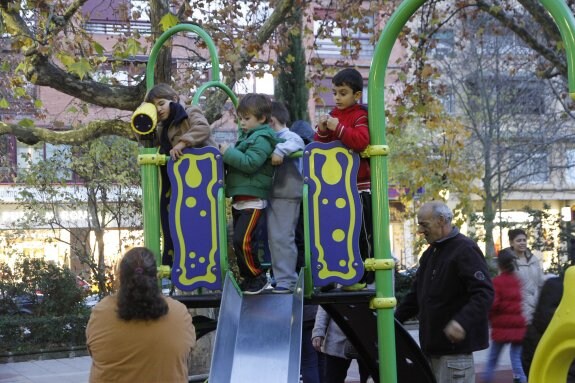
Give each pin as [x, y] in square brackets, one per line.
[556, 349]
[196, 178]
[330, 171]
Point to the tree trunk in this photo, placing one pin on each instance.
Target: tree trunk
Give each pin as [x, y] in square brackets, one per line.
[291, 86]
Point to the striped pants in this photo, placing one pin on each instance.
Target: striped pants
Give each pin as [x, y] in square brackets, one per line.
[249, 225]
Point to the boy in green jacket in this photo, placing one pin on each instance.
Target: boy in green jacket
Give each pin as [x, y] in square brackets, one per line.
[249, 176]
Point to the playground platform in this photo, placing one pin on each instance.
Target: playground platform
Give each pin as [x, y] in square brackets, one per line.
[76, 370]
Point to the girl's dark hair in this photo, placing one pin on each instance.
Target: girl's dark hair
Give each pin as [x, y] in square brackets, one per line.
[506, 261]
[258, 105]
[162, 91]
[139, 296]
[350, 77]
[513, 233]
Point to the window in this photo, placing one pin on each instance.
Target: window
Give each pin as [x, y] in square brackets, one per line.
[530, 168]
[443, 41]
[511, 95]
[327, 46]
[26, 154]
[107, 77]
[522, 96]
[448, 102]
[503, 42]
[570, 170]
[60, 153]
[330, 36]
[7, 159]
[253, 84]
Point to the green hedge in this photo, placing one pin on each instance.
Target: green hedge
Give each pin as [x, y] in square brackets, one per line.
[27, 334]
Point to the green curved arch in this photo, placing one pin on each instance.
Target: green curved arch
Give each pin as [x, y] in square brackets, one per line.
[562, 16]
[166, 35]
[214, 84]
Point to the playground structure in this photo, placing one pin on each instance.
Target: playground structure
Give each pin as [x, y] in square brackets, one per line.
[248, 325]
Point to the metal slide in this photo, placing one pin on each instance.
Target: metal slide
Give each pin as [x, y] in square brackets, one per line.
[258, 338]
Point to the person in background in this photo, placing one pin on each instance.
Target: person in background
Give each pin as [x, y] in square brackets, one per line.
[138, 335]
[178, 128]
[348, 123]
[225, 129]
[311, 359]
[508, 325]
[549, 300]
[303, 129]
[529, 270]
[284, 203]
[451, 294]
[330, 340]
[249, 179]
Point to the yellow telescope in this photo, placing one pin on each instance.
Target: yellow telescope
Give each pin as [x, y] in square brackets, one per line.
[145, 118]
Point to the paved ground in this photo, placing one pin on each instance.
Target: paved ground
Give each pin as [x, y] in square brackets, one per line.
[76, 370]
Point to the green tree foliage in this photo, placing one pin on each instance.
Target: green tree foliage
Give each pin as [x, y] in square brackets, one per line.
[291, 85]
[53, 288]
[107, 198]
[45, 289]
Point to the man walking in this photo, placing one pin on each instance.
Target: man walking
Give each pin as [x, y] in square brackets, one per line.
[451, 294]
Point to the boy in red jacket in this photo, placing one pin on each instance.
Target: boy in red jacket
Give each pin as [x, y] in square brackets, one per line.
[507, 322]
[348, 123]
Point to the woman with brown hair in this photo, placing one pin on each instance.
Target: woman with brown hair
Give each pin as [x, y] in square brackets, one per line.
[138, 335]
[529, 270]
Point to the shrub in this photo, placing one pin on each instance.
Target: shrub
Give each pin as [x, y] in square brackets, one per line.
[52, 289]
[27, 333]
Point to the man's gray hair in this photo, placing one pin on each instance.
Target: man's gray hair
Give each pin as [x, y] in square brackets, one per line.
[440, 209]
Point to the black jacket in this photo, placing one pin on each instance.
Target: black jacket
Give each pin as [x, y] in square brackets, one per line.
[452, 282]
[549, 299]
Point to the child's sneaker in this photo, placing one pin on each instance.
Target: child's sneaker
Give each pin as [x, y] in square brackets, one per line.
[256, 285]
[355, 287]
[281, 290]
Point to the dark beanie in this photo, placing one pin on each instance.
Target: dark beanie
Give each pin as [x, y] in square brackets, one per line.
[304, 130]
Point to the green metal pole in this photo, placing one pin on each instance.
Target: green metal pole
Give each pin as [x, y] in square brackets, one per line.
[216, 84]
[379, 186]
[150, 200]
[563, 17]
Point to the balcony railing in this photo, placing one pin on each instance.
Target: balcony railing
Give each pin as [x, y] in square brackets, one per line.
[115, 27]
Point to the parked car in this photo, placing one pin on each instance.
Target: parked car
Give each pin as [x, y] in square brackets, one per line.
[21, 304]
[166, 286]
[91, 300]
[83, 284]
